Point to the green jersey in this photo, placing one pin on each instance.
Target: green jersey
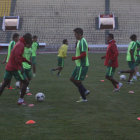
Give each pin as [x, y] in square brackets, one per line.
[132, 46]
[35, 46]
[27, 54]
[10, 47]
[138, 47]
[81, 47]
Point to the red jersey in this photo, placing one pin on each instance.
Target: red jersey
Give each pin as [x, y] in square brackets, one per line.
[16, 58]
[112, 54]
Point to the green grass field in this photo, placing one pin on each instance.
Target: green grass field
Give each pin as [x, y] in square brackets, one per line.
[106, 115]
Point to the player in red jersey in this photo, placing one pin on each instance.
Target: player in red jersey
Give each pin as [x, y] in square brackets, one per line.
[111, 61]
[14, 66]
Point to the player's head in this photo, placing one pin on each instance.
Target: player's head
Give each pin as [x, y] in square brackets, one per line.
[110, 37]
[65, 41]
[28, 39]
[78, 33]
[133, 37]
[35, 38]
[15, 37]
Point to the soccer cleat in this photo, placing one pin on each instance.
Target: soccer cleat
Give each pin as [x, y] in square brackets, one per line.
[116, 90]
[58, 74]
[134, 78]
[82, 100]
[138, 74]
[87, 92]
[120, 85]
[21, 101]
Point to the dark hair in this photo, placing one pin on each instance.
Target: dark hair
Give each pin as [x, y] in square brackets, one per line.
[28, 38]
[65, 41]
[15, 35]
[111, 36]
[133, 37]
[78, 31]
[34, 37]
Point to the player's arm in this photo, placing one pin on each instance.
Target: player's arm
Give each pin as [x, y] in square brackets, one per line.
[132, 52]
[8, 54]
[82, 55]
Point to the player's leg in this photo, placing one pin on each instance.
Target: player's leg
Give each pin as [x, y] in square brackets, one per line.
[131, 71]
[7, 79]
[34, 65]
[78, 75]
[20, 76]
[109, 75]
[60, 65]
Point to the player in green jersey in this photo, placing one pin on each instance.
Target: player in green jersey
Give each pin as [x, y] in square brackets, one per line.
[35, 46]
[82, 64]
[131, 57]
[15, 39]
[137, 61]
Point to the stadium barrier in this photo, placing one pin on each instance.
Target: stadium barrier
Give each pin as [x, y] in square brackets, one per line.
[44, 48]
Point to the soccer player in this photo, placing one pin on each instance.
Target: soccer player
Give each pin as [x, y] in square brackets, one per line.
[15, 39]
[62, 53]
[137, 61]
[111, 61]
[35, 46]
[14, 66]
[26, 66]
[82, 64]
[131, 58]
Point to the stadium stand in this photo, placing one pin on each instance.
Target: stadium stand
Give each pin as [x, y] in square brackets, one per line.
[54, 20]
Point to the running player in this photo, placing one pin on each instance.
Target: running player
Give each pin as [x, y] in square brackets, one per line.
[82, 64]
[35, 46]
[131, 57]
[111, 61]
[14, 66]
[62, 53]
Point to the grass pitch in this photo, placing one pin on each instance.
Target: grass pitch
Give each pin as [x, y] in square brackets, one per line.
[106, 115]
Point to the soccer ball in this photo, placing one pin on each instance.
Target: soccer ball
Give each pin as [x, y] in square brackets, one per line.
[122, 77]
[40, 96]
[17, 84]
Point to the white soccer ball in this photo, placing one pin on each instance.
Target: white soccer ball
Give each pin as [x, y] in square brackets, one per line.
[40, 96]
[17, 84]
[122, 77]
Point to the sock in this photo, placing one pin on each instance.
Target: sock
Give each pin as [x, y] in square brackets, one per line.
[82, 91]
